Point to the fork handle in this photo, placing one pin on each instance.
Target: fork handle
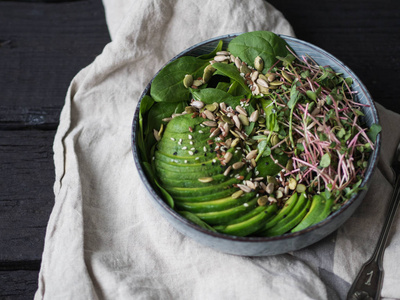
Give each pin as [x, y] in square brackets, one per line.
[368, 283]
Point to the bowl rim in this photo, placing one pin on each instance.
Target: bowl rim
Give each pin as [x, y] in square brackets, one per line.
[248, 239]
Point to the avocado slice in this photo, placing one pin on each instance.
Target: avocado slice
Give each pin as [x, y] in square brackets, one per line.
[249, 223]
[292, 219]
[320, 209]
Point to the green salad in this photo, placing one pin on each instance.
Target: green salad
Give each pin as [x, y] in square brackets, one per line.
[253, 140]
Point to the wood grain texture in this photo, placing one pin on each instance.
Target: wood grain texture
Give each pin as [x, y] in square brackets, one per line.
[18, 285]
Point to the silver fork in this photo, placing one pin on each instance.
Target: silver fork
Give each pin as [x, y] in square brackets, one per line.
[368, 283]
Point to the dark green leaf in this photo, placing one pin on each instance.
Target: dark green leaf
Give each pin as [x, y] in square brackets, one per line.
[265, 44]
[168, 86]
[294, 96]
[373, 132]
[267, 167]
[232, 72]
[213, 53]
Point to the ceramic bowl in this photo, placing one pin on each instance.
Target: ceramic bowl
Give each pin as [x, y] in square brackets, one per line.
[262, 246]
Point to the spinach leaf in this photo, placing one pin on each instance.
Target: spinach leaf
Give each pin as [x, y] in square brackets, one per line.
[213, 53]
[267, 167]
[210, 95]
[224, 86]
[145, 105]
[168, 86]
[258, 43]
[155, 115]
[232, 72]
[237, 89]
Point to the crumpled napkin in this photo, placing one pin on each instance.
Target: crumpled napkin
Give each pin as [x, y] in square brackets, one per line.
[105, 241]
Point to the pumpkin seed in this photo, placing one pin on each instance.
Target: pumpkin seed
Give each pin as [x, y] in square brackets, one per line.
[244, 120]
[271, 77]
[237, 194]
[244, 69]
[227, 120]
[276, 83]
[289, 165]
[188, 80]
[287, 76]
[189, 109]
[197, 82]
[262, 201]
[263, 77]
[292, 183]
[235, 142]
[259, 63]
[211, 107]
[275, 140]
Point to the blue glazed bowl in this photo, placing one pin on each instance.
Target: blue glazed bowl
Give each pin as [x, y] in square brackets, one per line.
[262, 246]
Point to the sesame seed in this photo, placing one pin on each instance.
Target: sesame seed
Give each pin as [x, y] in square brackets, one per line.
[197, 158]
[191, 152]
[201, 131]
[236, 151]
[202, 125]
[214, 161]
[185, 161]
[153, 158]
[190, 137]
[184, 148]
[192, 149]
[172, 139]
[205, 149]
[245, 204]
[191, 143]
[257, 173]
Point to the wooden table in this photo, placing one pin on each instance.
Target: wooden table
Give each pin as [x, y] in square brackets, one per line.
[43, 44]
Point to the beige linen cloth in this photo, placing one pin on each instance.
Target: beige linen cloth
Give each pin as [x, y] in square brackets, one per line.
[105, 240]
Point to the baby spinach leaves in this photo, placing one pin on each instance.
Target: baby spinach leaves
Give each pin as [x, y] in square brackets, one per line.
[168, 86]
[258, 43]
[232, 72]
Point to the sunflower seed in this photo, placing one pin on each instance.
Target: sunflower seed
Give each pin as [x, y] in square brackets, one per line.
[237, 194]
[166, 119]
[286, 190]
[232, 58]
[270, 188]
[262, 82]
[279, 194]
[209, 115]
[223, 53]
[272, 199]
[238, 165]
[210, 123]
[220, 58]
[237, 122]
[254, 116]
[255, 90]
[238, 62]
[222, 106]
[225, 128]
[197, 104]
[241, 110]
[254, 76]
[228, 169]
[252, 154]
[258, 179]
[250, 184]
[244, 188]
[216, 132]
[205, 179]
[227, 157]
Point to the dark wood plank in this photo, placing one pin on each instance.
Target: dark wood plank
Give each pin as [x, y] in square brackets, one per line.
[364, 34]
[18, 285]
[44, 46]
[27, 196]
